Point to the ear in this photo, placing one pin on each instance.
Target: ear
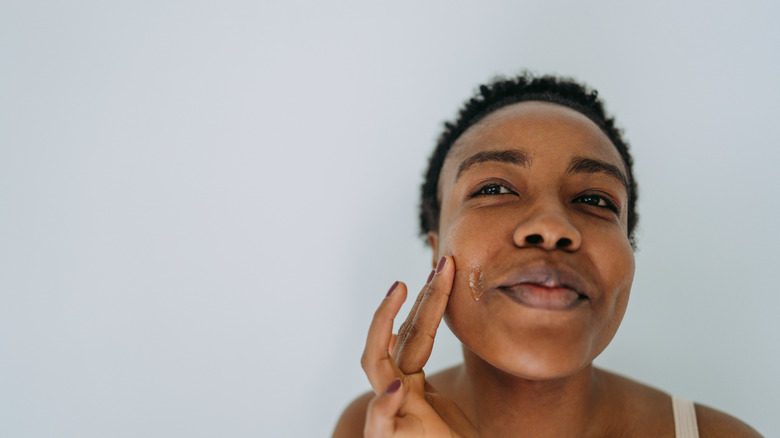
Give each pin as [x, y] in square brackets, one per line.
[433, 241]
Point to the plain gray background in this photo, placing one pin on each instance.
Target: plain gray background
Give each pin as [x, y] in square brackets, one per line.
[201, 203]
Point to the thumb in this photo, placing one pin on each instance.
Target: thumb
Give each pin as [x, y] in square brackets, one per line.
[380, 417]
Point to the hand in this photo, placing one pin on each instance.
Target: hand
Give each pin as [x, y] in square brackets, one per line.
[405, 404]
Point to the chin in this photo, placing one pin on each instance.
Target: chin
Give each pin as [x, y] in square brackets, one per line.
[529, 351]
[530, 360]
[538, 366]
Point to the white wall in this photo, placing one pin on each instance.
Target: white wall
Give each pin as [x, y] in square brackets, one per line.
[201, 203]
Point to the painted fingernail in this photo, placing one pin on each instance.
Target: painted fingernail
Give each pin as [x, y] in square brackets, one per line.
[430, 276]
[393, 386]
[392, 288]
[440, 266]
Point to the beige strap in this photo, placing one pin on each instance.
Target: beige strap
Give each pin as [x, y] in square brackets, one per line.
[684, 418]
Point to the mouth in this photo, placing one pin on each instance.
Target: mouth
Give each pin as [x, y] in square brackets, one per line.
[544, 298]
[546, 288]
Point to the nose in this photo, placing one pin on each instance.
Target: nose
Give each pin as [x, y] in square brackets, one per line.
[548, 229]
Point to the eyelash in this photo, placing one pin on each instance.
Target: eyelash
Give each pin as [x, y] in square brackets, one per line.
[608, 204]
[481, 190]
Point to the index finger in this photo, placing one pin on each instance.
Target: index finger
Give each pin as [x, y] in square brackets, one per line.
[415, 344]
[376, 360]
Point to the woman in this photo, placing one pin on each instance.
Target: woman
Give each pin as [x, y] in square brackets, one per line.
[529, 208]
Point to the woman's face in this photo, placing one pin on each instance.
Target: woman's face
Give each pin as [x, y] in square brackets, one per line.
[534, 214]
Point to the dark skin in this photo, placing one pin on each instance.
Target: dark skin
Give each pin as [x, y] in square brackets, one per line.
[534, 270]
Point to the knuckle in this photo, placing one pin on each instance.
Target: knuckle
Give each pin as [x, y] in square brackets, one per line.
[411, 331]
[425, 332]
[403, 329]
[431, 334]
[434, 291]
[366, 363]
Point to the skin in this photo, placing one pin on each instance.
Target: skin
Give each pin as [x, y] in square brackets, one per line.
[527, 368]
[490, 233]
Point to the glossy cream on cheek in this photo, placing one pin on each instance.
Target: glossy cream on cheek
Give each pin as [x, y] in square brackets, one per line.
[473, 267]
[476, 282]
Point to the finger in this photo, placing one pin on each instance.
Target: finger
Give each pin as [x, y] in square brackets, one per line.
[417, 341]
[382, 411]
[403, 330]
[422, 292]
[410, 317]
[377, 363]
[391, 345]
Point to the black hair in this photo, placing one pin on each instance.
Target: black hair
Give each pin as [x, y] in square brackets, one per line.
[502, 92]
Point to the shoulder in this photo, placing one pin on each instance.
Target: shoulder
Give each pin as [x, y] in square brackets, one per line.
[643, 402]
[643, 411]
[714, 424]
[351, 423]
[646, 407]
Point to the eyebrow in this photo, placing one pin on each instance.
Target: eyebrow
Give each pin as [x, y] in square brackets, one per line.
[577, 165]
[591, 165]
[516, 157]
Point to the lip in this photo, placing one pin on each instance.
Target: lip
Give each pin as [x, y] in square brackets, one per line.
[545, 287]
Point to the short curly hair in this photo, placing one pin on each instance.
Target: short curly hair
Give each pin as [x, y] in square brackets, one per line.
[502, 92]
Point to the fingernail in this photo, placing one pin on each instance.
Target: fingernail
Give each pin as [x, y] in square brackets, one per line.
[393, 386]
[430, 276]
[440, 266]
[392, 288]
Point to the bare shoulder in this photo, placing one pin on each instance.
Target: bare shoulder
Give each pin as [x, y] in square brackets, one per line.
[644, 411]
[351, 423]
[643, 402]
[714, 424]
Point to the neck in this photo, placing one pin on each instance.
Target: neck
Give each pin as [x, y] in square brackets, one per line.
[504, 405]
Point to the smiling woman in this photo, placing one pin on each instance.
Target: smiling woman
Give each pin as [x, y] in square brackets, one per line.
[529, 209]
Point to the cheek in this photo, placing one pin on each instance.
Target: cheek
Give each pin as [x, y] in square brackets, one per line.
[617, 272]
[471, 256]
[621, 266]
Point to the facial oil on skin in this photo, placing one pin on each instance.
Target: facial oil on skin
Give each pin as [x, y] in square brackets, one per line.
[476, 282]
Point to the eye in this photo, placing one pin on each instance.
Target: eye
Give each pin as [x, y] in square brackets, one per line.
[492, 189]
[596, 201]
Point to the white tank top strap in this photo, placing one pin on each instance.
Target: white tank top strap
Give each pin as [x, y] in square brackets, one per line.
[684, 418]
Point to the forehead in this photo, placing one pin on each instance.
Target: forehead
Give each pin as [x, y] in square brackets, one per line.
[546, 131]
